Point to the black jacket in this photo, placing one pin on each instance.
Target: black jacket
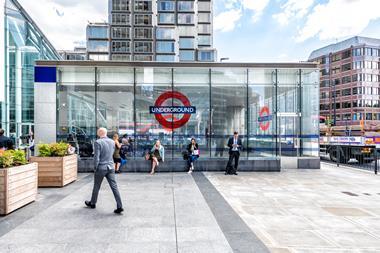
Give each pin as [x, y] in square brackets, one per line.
[189, 148]
[231, 142]
[6, 142]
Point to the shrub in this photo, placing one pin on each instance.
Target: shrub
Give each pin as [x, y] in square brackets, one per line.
[53, 150]
[11, 158]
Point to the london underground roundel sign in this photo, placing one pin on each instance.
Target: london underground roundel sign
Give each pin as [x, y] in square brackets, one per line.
[264, 118]
[159, 110]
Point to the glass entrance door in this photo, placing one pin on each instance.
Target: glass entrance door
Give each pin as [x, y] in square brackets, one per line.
[288, 139]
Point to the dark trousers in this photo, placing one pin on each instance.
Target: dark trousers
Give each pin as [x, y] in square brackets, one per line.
[233, 155]
[109, 174]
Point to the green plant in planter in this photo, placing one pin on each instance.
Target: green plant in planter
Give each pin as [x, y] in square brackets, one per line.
[53, 150]
[11, 158]
[6, 159]
[44, 150]
[19, 157]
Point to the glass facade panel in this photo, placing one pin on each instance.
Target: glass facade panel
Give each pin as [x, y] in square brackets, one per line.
[76, 108]
[150, 84]
[166, 18]
[261, 113]
[165, 47]
[228, 109]
[194, 84]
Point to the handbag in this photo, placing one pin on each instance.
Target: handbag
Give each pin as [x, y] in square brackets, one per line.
[196, 152]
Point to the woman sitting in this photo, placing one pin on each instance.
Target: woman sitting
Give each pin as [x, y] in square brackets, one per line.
[157, 155]
[193, 152]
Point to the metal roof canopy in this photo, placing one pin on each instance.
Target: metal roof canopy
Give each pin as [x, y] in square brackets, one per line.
[301, 65]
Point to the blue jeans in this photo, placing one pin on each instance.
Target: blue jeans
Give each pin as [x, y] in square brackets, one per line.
[192, 159]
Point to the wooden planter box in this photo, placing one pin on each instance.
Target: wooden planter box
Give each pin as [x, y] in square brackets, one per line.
[56, 171]
[18, 187]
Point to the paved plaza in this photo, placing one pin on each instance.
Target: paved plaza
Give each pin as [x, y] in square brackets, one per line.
[327, 210]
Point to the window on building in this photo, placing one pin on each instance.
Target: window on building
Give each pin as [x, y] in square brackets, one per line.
[120, 32]
[186, 43]
[165, 33]
[166, 5]
[346, 105]
[335, 70]
[165, 58]
[346, 54]
[354, 103]
[346, 79]
[97, 46]
[337, 105]
[336, 57]
[346, 67]
[143, 33]
[204, 6]
[165, 47]
[206, 56]
[121, 19]
[324, 95]
[336, 82]
[98, 57]
[143, 57]
[185, 18]
[121, 57]
[324, 107]
[185, 6]
[204, 40]
[346, 92]
[120, 5]
[143, 19]
[325, 83]
[354, 78]
[204, 28]
[120, 46]
[335, 93]
[358, 51]
[143, 5]
[325, 72]
[354, 91]
[204, 17]
[97, 32]
[143, 47]
[186, 55]
[166, 18]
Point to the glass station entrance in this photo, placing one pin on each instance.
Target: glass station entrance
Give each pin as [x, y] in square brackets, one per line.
[175, 102]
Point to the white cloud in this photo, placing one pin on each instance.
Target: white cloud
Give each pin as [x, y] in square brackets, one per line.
[293, 9]
[226, 21]
[257, 6]
[64, 21]
[339, 18]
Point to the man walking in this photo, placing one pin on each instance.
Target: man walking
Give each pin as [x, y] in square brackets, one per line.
[235, 144]
[5, 142]
[104, 167]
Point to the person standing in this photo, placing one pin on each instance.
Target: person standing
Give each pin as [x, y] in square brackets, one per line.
[5, 142]
[157, 155]
[193, 152]
[104, 167]
[235, 145]
[116, 154]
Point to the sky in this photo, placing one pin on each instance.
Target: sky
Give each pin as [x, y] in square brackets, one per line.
[244, 30]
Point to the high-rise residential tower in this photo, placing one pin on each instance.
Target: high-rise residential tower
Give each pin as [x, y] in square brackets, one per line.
[349, 81]
[161, 30]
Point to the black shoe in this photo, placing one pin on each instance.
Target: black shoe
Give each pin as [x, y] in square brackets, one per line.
[118, 211]
[117, 172]
[235, 173]
[88, 204]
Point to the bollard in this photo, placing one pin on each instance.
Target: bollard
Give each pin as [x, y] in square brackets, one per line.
[337, 156]
[375, 158]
